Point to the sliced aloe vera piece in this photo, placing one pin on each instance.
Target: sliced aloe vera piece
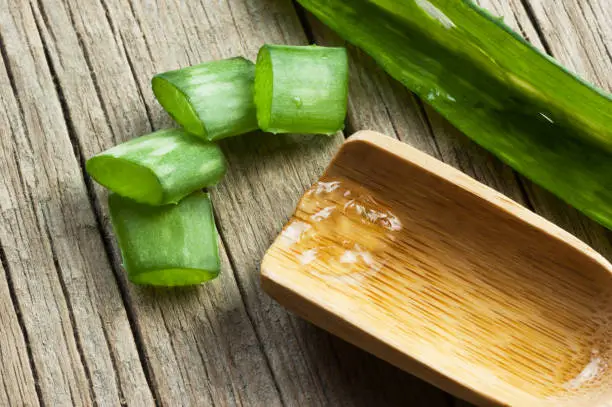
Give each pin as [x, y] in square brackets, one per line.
[301, 89]
[170, 245]
[159, 168]
[516, 102]
[213, 100]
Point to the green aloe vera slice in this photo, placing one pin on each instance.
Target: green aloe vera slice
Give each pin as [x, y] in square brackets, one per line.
[170, 245]
[301, 89]
[213, 100]
[548, 124]
[159, 168]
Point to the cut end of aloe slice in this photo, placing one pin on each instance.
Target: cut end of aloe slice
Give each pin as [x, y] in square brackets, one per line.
[159, 168]
[301, 89]
[126, 178]
[263, 88]
[212, 100]
[177, 105]
[170, 245]
[175, 277]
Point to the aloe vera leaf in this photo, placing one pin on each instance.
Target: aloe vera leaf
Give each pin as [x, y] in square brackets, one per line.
[212, 100]
[170, 245]
[301, 89]
[159, 168]
[518, 103]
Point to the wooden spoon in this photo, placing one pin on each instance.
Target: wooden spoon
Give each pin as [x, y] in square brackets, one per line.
[421, 265]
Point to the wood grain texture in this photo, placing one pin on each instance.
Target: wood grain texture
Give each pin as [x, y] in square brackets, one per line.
[578, 33]
[200, 344]
[79, 335]
[446, 278]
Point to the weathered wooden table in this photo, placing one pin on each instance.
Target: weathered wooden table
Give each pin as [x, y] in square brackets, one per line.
[74, 80]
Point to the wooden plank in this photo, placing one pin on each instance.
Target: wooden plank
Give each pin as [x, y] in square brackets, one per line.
[80, 338]
[200, 344]
[16, 374]
[403, 117]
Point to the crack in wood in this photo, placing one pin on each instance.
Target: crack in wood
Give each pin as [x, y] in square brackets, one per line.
[534, 22]
[92, 73]
[66, 294]
[114, 363]
[17, 309]
[242, 41]
[242, 291]
[427, 123]
[520, 26]
[306, 26]
[139, 24]
[137, 83]
[45, 18]
[11, 78]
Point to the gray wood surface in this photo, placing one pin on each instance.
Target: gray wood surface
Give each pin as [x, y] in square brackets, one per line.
[74, 80]
[80, 343]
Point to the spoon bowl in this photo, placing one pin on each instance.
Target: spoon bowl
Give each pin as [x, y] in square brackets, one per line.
[434, 272]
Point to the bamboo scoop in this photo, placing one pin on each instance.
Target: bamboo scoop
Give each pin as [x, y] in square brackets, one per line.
[421, 265]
